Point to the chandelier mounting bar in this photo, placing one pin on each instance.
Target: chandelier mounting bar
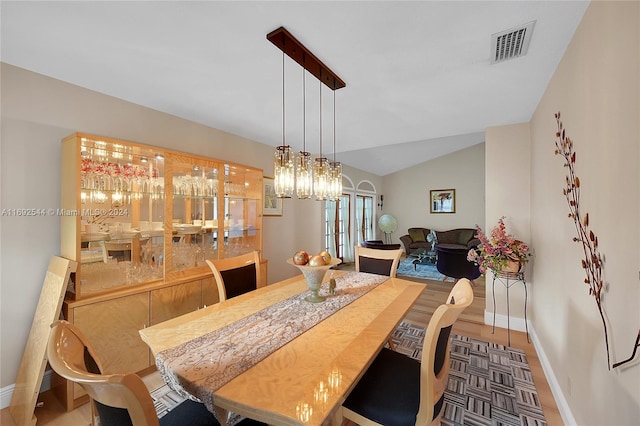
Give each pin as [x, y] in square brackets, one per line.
[303, 56]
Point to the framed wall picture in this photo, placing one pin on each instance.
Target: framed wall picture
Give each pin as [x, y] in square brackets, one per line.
[272, 205]
[443, 200]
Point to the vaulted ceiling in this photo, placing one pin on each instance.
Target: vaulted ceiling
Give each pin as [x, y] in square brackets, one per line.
[419, 80]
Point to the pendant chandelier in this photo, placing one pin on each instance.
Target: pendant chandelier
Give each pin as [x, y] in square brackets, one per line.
[284, 175]
[322, 178]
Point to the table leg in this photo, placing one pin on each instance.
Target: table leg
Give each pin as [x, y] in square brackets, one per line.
[222, 415]
[337, 418]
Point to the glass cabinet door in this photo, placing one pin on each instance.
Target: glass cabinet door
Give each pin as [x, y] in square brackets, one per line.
[194, 214]
[242, 210]
[122, 210]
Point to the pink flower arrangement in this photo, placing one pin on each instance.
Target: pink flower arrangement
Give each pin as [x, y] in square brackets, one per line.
[498, 250]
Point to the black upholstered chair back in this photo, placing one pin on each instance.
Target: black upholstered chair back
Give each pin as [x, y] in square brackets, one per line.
[377, 261]
[442, 347]
[240, 280]
[375, 266]
[236, 275]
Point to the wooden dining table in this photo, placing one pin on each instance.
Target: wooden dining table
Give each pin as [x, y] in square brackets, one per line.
[306, 379]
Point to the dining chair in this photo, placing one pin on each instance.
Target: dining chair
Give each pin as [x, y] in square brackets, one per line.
[397, 390]
[118, 399]
[122, 250]
[377, 261]
[236, 275]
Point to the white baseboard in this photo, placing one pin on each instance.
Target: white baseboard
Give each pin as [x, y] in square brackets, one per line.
[5, 396]
[556, 390]
[6, 393]
[502, 321]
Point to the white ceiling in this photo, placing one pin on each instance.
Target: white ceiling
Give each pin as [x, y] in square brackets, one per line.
[419, 81]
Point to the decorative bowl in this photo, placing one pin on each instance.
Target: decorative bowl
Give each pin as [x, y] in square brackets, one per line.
[314, 275]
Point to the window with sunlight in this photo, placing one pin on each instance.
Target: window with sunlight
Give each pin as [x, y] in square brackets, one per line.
[337, 225]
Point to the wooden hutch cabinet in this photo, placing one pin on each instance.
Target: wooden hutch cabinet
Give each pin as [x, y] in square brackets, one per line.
[140, 221]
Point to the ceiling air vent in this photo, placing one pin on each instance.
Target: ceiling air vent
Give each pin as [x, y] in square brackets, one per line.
[511, 43]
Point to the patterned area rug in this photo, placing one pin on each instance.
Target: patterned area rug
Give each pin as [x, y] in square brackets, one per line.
[489, 384]
[165, 399]
[428, 272]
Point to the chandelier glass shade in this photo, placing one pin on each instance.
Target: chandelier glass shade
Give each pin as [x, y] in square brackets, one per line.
[304, 175]
[335, 180]
[284, 179]
[321, 178]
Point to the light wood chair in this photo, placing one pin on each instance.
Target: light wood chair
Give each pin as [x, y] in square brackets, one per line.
[93, 252]
[398, 390]
[377, 261]
[121, 250]
[118, 399]
[236, 275]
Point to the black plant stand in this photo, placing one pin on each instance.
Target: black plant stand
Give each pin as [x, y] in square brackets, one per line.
[508, 279]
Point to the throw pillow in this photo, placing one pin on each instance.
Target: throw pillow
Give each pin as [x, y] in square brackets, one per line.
[465, 235]
[417, 236]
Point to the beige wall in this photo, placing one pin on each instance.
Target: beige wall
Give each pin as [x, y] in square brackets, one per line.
[37, 112]
[406, 193]
[507, 158]
[596, 88]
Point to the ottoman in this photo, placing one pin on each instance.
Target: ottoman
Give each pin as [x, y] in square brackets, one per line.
[452, 262]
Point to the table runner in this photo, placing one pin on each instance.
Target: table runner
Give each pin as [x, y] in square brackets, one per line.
[196, 369]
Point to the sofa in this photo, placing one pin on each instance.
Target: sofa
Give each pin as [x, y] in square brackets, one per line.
[416, 238]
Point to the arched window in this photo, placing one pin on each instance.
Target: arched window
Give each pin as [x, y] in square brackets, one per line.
[350, 220]
[365, 212]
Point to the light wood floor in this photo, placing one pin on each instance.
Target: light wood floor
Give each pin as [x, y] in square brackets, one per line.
[470, 324]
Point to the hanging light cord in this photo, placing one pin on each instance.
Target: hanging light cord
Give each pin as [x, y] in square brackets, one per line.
[283, 110]
[304, 108]
[334, 126]
[320, 85]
